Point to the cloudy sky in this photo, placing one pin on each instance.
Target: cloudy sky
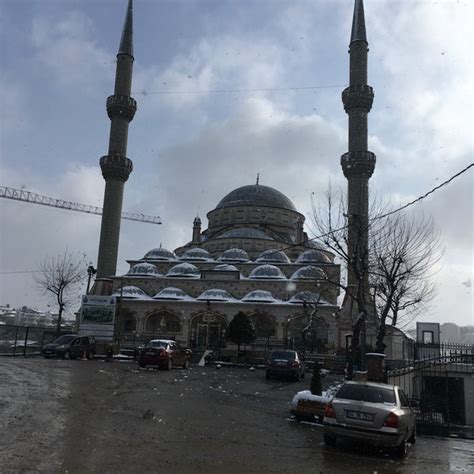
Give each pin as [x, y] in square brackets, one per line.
[227, 89]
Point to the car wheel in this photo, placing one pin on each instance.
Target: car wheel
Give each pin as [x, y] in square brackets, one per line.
[329, 440]
[141, 364]
[90, 355]
[412, 439]
[401, 449]
[67, 355]
[186, 364]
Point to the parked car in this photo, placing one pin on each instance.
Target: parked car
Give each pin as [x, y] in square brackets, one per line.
[374, 413]
[164, 354]
[285, 364]
[70, 346]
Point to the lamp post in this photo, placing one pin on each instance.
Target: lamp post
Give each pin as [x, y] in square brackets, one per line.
[91, 271]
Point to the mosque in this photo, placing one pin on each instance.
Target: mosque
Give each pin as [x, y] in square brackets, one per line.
[254, 257]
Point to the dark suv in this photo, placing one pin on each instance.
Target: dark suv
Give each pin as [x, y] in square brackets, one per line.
[285, 364]
[70, 346]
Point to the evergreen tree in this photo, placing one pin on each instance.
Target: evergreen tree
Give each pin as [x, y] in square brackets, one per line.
[240, 330]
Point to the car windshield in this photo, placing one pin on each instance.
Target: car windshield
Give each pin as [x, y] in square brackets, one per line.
[283, 355]
[157, 344]
[366, 393]
[64, 339]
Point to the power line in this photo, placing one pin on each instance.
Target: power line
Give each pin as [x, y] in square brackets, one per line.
[237, 91]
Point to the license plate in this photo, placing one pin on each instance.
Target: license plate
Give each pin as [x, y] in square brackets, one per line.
[359, 415]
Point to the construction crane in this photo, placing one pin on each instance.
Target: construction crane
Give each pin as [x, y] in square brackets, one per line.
[27, 196]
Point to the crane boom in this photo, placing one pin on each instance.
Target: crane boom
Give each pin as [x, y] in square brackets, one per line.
[27, 196]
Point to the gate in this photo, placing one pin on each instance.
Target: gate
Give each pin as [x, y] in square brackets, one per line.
[437, 381]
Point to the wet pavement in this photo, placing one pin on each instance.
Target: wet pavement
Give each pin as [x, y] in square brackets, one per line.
[92, 416]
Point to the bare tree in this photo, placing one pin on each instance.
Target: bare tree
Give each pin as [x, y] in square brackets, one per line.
[396, 261]
[61, 277]
[404, 253]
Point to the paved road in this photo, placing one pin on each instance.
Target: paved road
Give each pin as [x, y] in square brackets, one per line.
[91, 416]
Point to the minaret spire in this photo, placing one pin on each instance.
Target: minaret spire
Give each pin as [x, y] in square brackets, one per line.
[115, 166]
[358, 23]
[126, 43]
[358, 163]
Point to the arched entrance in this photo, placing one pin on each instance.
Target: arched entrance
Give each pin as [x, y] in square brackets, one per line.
[208, 331]
[126, 322]
[300, 336]
[265, 326]
[163, 323]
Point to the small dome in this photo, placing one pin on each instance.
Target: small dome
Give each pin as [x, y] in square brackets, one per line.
[259, 296]
[273, 256]
[159, 253]
[244, 233]
[308, 297]
[313, 256]
[215, 294]
[143, 269]
[171, 293]
[225, 267]
[234, 255]
[267, 272]
[256, 195]
[131, 292]
[196, 254]
[187, 270]
[309, 273]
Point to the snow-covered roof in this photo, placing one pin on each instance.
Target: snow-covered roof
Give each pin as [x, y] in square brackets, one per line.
[259, 296]
[196, 254]
[160, 253]
[307, 296]
[131, 292]
[313, 256]
[171, 293]
[215, 294]
[273, 256]
[267, 272]
[309, 273]
[234, 255]
[187, 270]
[225, 267]
[143, 269]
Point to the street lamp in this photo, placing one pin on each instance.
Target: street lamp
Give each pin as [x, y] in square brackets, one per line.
[91, 271]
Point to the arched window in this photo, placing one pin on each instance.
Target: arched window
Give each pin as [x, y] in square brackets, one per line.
[264, 324]
[126, 321]
[163, 322]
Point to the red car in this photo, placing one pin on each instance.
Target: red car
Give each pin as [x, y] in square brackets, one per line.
[164, 354]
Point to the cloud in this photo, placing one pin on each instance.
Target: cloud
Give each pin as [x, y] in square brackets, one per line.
[65, 47]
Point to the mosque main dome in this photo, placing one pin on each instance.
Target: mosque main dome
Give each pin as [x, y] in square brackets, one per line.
[256, 195]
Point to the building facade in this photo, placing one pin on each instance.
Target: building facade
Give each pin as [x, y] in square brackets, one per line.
[253, 258]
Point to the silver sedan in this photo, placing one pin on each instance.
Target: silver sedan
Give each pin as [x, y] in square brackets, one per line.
[374, 413]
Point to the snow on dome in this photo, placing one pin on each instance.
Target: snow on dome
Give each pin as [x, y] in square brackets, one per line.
[187, 270]
[273, 256]
[265, 272]
[313, 256]
[131, 292]
[309, 273]
[308, 297]
[171, 293]
[259, 296]
[159, 253]
[234, 255]
[215, 294]
[143, 269]
[196, 254]
[244, 233]
[225, 267]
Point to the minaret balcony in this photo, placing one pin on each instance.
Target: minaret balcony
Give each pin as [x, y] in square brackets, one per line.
[358, 97]
[121, 106]
[358, 163]
[116, 167]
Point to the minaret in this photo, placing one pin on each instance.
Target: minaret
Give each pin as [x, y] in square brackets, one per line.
[116, 167]
[196, 230]
[359, 163]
